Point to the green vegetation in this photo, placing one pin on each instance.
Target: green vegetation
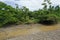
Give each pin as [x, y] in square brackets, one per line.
[10, 15]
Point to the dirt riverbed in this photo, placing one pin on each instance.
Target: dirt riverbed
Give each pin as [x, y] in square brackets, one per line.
[30, 32]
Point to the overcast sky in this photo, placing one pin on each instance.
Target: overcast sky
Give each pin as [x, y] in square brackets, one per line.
[31, 4]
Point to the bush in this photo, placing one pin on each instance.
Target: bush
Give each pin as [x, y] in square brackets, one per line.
[17, 15]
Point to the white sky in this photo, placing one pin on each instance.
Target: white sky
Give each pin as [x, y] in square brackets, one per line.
[31, 4]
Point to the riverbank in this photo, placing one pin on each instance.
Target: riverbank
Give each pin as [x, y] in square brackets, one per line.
[24, 30]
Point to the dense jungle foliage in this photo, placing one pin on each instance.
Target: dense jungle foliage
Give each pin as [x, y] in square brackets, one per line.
[10, 15]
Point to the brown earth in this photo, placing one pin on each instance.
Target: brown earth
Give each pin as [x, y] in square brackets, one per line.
[30, 32]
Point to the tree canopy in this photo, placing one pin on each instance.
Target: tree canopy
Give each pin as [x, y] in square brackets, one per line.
[23, 15]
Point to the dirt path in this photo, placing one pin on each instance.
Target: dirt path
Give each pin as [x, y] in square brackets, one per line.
[31, 32]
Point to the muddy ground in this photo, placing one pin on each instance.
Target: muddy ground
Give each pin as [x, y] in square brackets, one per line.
[30, 32]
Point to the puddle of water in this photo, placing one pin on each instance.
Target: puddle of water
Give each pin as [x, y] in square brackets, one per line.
[49, 28]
